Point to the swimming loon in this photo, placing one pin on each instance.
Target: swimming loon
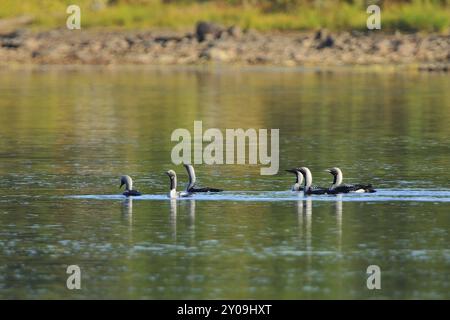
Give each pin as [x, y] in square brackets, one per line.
[128, 182]
[338, 187]
[173, 194]
[190, 187]
[308, 188]
[298, 179]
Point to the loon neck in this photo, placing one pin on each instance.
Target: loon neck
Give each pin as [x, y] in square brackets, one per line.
[128, 182]
[298, 181]
[299, 178]
[173, 184]
[338, 177]
[192, 178]
[173, 194]
[308, 178]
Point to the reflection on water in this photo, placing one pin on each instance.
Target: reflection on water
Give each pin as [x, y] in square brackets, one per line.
[339, 221]
[67, 136]
[173, 217]
[127, 208]
[191, 219]
[305, 213]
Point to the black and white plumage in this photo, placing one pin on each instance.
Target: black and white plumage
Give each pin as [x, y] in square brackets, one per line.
[190, 187]
[308, 188]
[298, 179]
[339, 187]
[173, 194]
[128, 182]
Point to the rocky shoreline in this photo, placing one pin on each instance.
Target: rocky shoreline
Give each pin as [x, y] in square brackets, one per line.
[214, 44]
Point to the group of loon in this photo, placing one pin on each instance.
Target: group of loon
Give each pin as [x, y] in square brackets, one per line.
[190, 187]
[304, 174]
[303, 183]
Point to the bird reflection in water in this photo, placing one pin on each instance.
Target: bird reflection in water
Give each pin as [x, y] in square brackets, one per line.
[191, 218]
[127, 215]
[304, 214]
[338, 210]
[173, 218]
[191, 222]
[127, 210]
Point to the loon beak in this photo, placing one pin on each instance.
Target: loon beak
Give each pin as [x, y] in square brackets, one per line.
[291, 170]
[328, 170]
[121, 185]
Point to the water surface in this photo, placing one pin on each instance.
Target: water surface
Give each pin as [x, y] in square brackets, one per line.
[68, 135]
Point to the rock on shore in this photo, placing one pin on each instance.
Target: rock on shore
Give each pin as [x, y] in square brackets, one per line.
[229, 45]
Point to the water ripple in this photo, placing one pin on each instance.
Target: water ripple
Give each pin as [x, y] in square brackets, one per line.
[384, 195]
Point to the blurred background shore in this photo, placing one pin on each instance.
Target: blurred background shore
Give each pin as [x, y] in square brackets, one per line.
[413, 33]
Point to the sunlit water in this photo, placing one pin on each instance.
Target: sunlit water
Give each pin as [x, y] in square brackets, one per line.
[68, 135]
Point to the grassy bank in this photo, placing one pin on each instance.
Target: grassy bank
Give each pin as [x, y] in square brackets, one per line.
[414, 15]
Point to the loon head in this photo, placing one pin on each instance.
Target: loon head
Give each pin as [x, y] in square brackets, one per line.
[298, 175]
[173, 179]
[337, 175]
[307, 175]
[191, 173]
[127, 181]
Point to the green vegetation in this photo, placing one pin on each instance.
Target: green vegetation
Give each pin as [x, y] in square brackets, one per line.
[406, 15]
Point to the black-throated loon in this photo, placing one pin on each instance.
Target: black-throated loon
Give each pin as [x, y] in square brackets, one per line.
[190, 187]
[128, 182]
[308, 188]
[173, 194]
[298, 179]
[338, 187]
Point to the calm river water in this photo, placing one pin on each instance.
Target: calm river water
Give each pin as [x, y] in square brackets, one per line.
[67, 135]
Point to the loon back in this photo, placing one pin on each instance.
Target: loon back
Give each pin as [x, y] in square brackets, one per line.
[207, 189]
[132, 193]
[364, 187]
[338, 187]
[316, 190]
[352, 188]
